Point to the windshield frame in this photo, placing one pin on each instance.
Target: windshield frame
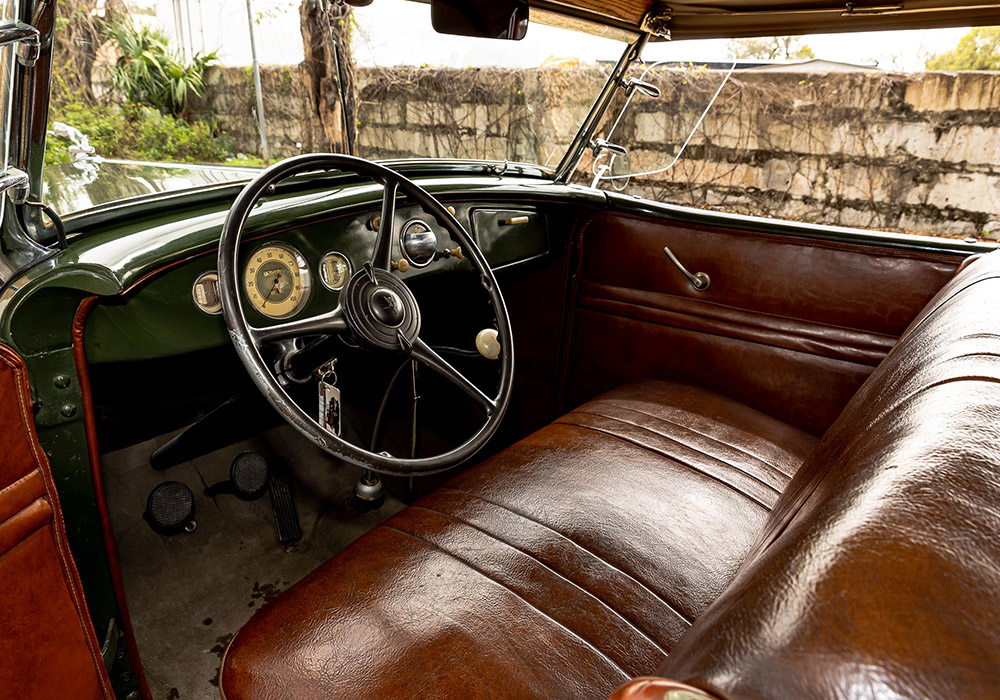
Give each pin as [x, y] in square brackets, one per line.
[27, 237]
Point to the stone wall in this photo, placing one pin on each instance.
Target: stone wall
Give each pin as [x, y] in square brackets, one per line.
[292, 124]
[917, 153]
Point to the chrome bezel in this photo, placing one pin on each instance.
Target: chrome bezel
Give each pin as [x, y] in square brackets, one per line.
[304, 274]
[194, 296]
[322, 279]
[402, 242]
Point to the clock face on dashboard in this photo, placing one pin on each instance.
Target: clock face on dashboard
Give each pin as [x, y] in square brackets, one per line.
[276, 280]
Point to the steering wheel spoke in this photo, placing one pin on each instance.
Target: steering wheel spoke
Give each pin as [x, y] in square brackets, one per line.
[329, 323]
[382, 255]
[424, 353]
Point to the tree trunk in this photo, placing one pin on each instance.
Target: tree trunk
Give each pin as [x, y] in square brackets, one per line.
[78, 36]
[330, 65]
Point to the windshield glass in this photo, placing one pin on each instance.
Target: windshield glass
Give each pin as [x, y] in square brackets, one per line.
[889, 131]
[179, 84]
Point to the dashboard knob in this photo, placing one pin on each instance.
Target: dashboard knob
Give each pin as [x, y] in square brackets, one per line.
[488, 343]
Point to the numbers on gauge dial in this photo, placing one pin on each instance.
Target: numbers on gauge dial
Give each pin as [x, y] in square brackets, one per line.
[276, 280]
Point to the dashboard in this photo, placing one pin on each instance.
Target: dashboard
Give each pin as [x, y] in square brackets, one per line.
[298, 272]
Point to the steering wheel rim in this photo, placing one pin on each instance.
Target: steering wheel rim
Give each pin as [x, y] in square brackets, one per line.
[375, 274]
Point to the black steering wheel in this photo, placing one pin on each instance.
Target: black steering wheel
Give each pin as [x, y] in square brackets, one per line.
[376, 309]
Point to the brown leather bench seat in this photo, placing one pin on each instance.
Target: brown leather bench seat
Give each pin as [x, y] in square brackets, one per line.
[562, 567]
[586, 553]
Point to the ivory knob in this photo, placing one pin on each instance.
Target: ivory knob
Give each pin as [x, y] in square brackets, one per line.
[488, 343]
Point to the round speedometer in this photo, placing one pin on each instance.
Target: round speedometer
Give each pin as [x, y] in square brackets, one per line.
[276, 280]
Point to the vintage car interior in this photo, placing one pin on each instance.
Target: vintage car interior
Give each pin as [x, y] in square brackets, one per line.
[548, 460]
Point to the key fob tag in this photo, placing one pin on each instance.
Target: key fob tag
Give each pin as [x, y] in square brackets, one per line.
[329, 404]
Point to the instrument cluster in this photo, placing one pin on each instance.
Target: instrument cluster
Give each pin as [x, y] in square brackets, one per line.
[278, 281]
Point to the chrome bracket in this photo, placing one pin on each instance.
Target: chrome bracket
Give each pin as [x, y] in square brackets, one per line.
[699, 280]
[28, 38]
[16, 184]
[657, 21]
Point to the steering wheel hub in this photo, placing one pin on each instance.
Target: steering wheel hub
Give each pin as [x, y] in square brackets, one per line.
[386, 306]
[379, 311]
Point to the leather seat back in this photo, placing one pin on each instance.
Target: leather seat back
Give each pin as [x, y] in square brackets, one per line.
[878, 573]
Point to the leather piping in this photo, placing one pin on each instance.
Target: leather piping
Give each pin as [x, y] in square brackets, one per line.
[90, 426]
[684, 446]
[73, 585]
[634, 625]
[665, 603]
[673, 458]
[688, 429]
[514, 593]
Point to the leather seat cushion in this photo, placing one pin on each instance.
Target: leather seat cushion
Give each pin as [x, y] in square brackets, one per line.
[561, 567]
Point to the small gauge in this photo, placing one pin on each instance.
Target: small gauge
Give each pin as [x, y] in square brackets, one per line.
[276, 280]
[334, 271]
[419, 243]
[206, 293]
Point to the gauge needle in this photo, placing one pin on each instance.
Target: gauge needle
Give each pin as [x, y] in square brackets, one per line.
[274, 285]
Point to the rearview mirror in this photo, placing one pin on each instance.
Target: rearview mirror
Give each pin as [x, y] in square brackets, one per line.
[489, 19]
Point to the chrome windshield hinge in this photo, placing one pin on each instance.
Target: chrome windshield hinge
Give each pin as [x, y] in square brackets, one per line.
[657, 21]
[16, 184]
[27, 38]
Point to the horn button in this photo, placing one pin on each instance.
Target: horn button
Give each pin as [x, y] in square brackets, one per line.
[381, 310]
[387, 308]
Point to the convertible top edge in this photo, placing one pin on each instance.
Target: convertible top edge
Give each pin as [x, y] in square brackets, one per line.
[694, 19]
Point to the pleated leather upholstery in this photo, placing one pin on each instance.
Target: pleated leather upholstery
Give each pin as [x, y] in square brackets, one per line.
[567, 564]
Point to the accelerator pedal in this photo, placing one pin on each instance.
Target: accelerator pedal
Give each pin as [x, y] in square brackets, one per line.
[286, 517]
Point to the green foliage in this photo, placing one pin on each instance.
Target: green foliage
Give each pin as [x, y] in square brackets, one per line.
[775, 48]
[134, 132]
[149, 73]
[977, 50]
[247, 162]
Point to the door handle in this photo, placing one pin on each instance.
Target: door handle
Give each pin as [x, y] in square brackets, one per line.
[699, 280]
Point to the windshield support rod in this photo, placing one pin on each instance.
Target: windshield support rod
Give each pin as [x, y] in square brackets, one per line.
[616, 80]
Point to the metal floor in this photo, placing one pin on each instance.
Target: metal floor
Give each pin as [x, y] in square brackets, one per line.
[189, 594]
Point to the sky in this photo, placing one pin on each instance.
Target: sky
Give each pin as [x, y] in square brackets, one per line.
[397, 32]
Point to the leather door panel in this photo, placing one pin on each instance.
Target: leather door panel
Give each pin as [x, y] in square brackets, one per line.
[789, 325]
[48, 649]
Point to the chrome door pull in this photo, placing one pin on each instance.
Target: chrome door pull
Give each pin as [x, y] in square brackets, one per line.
[699, 280]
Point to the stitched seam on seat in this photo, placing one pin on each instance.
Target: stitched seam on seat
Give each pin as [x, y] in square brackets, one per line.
[531, 556]
[672, 458]
[512, 592]
[644, 585]
[720, 460]
[775, 467]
